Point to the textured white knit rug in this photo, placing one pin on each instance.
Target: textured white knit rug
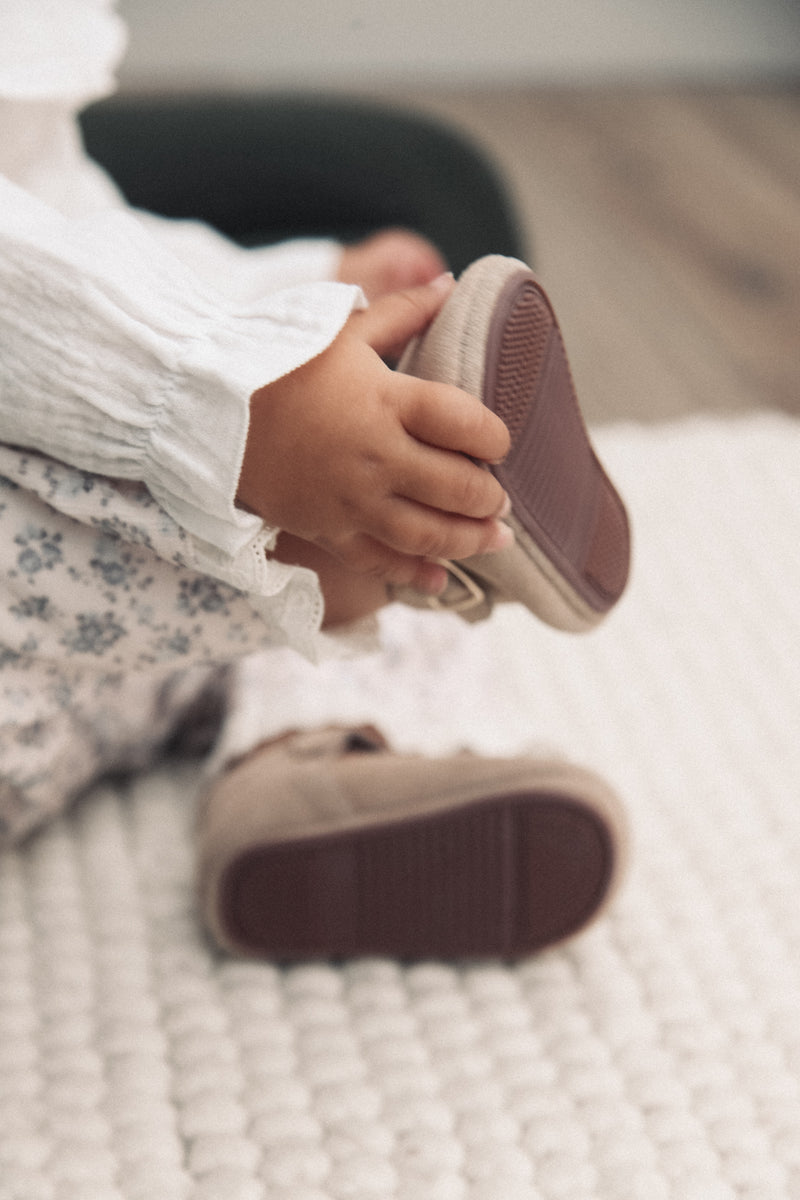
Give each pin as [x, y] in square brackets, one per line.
[655, 1058]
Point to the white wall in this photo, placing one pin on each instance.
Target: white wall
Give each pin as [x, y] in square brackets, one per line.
[366, 43]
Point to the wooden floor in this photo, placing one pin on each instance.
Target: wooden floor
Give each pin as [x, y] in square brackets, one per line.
[666, 225]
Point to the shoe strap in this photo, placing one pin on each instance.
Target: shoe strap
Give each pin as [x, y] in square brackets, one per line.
[331, 741]
[463, 594]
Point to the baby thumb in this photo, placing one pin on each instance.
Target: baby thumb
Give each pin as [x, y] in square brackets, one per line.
[390, 323]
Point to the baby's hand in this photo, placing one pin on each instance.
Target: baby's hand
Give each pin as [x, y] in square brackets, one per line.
[389, 261]
[372, 465]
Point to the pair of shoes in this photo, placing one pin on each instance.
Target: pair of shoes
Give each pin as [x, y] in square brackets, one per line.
[329, 845]
[497, 338]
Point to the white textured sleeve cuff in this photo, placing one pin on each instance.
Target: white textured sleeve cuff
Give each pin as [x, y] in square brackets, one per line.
[118, 360]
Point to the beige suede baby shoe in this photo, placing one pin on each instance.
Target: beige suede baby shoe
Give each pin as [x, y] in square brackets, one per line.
[498, 338]
[330, 845]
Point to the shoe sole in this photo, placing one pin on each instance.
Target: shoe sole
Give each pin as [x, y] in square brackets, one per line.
[570, 523]
[502, 876]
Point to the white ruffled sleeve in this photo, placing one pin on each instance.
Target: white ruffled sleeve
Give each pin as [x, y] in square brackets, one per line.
[119, 361]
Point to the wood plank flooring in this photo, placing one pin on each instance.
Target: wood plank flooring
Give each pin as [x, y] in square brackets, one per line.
[666, 225]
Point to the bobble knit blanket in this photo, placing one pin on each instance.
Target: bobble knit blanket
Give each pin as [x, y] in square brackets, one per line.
[655, 1057]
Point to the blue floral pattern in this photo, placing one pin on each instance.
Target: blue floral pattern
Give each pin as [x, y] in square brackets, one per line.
[107, 636]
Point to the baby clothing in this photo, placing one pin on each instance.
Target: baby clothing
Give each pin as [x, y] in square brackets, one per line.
[131, 347]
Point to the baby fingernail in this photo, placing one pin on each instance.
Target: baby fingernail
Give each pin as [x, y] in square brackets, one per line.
[444, 282]
[503, 536]
[506, 509]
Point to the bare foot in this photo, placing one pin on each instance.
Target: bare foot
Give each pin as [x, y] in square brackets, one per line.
[390, 261]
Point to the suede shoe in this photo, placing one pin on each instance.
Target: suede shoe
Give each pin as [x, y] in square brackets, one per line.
[329, 845]
[497, 337]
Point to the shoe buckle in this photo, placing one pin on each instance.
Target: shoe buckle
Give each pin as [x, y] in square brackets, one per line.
[463, 597]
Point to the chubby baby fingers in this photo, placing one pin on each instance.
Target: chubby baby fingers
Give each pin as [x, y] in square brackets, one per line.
[445, 416]
[403, 549]
[418, 531]
[365, 556]
[452, 484]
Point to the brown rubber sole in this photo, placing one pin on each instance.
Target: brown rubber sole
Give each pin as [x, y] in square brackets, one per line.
[562, 499]
[498, 338]
[502, 876]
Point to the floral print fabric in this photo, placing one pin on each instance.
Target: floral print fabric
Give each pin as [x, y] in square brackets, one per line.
[107, 634]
